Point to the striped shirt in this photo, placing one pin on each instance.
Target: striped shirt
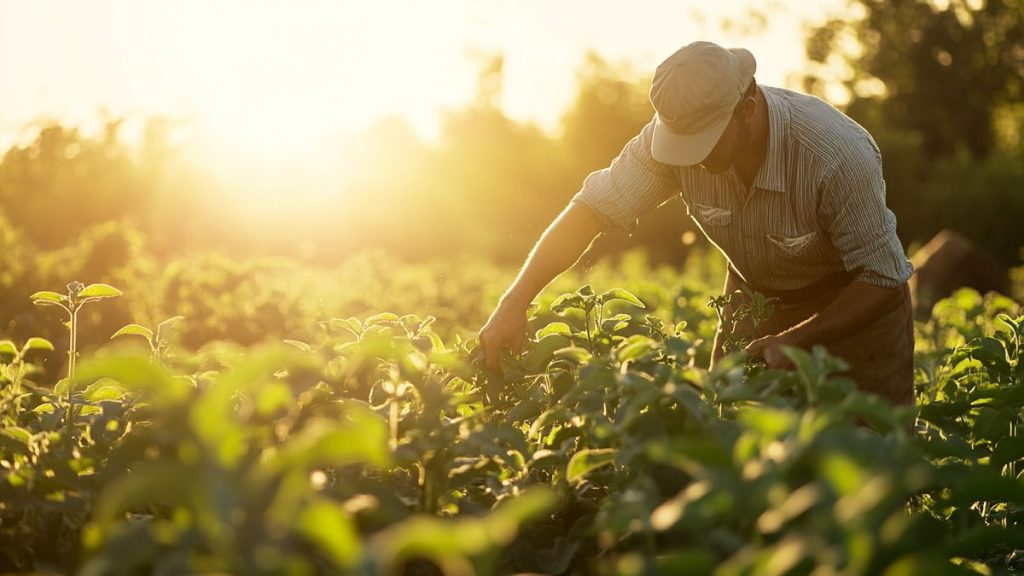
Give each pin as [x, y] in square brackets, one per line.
[816, 205]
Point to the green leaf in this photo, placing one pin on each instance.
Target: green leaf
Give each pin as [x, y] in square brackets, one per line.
[133, 372]
[104, 389]
[37, 343]
[99, 291]
[385, 318]
[165, 482]
[693, 455]
[327, 526]
[17, 433]
[554, 328]
[586, 291]
[361, 436]
[8, 347]
[537, 356]
[273, 397]
[166, 325]
[134, 329]
[574, 353]
[48, 297]
[565, 302]
[687, 561]
[768, 421]
[452, 542]
[623, 295]
[584, 462]
[1014, 324]
[353, 325]
[300, 345]
[635, 347]
[550, 417]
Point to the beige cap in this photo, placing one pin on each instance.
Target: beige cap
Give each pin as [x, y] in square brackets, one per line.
[694, 93]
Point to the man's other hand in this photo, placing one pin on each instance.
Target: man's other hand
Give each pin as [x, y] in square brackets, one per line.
[769, 348]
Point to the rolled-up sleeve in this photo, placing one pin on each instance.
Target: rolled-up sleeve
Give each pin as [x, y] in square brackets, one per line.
[858, 222]
[632, 185]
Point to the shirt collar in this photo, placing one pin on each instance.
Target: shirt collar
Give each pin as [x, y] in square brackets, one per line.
[772, 175]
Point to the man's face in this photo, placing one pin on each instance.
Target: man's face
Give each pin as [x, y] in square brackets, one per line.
[731, 144]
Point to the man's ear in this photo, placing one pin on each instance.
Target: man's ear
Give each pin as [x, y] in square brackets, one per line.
[749, 106]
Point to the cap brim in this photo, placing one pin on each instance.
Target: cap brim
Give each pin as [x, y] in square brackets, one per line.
[668, 147]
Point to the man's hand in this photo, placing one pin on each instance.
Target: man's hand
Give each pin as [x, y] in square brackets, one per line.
[506, 328]
[769, 348]
[854, 308]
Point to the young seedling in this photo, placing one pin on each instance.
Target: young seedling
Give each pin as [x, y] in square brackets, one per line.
[754, 306]
[592, 305]
[157, 339]
[78, 295]
[14, 372]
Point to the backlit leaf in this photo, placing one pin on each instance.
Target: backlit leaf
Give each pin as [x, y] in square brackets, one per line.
[134, 329]
[584, 462]
[99, 291]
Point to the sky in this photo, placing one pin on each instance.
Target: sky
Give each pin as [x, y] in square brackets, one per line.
[279, 78]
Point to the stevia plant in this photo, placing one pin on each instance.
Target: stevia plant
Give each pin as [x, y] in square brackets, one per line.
[746, 305]
[78, 295]
[597, 328]
[12, 375]
[157, 339]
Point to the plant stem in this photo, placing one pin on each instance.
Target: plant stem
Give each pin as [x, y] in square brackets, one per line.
[393, 413]
[71, 343]
[586, 317]
[72, 353]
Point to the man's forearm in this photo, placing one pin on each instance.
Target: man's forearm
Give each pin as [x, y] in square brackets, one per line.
[853, 309]
[561, 245]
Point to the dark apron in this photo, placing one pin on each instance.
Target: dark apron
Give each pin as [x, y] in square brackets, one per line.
[881, 355]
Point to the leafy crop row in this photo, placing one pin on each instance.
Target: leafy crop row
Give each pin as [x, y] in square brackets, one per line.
[377, 446]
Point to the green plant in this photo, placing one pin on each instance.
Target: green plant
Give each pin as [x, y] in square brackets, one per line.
[369, 446]
[13, 374]
[738, 307]
[158, 339]
[78, 295]
[592, 306]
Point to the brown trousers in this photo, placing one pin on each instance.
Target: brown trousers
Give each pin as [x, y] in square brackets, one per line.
[881, 356]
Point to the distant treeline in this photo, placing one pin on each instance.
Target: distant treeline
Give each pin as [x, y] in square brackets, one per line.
[940, 89]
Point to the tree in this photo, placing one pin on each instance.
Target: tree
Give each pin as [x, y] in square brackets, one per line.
[949, 71]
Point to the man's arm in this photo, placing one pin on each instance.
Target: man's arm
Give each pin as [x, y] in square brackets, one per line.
[852, 310]
[565, 240]
[615, 196]
[863, 230]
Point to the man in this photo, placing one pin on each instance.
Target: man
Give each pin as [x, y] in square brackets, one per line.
[786, 186]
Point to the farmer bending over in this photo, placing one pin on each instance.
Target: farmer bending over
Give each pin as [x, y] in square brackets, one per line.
[786, 186]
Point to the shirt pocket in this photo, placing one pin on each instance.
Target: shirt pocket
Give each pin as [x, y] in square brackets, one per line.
[712, 216]
[793, 244]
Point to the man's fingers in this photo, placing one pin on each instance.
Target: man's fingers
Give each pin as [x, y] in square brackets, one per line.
[485, 346]
[490, 353]
[517, 342]
[756, 348]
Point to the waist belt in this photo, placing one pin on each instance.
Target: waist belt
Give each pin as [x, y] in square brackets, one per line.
[813, 291]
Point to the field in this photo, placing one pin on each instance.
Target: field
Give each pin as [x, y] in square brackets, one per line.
[261, 417]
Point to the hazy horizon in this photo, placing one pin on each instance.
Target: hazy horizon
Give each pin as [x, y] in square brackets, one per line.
[219, 68]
